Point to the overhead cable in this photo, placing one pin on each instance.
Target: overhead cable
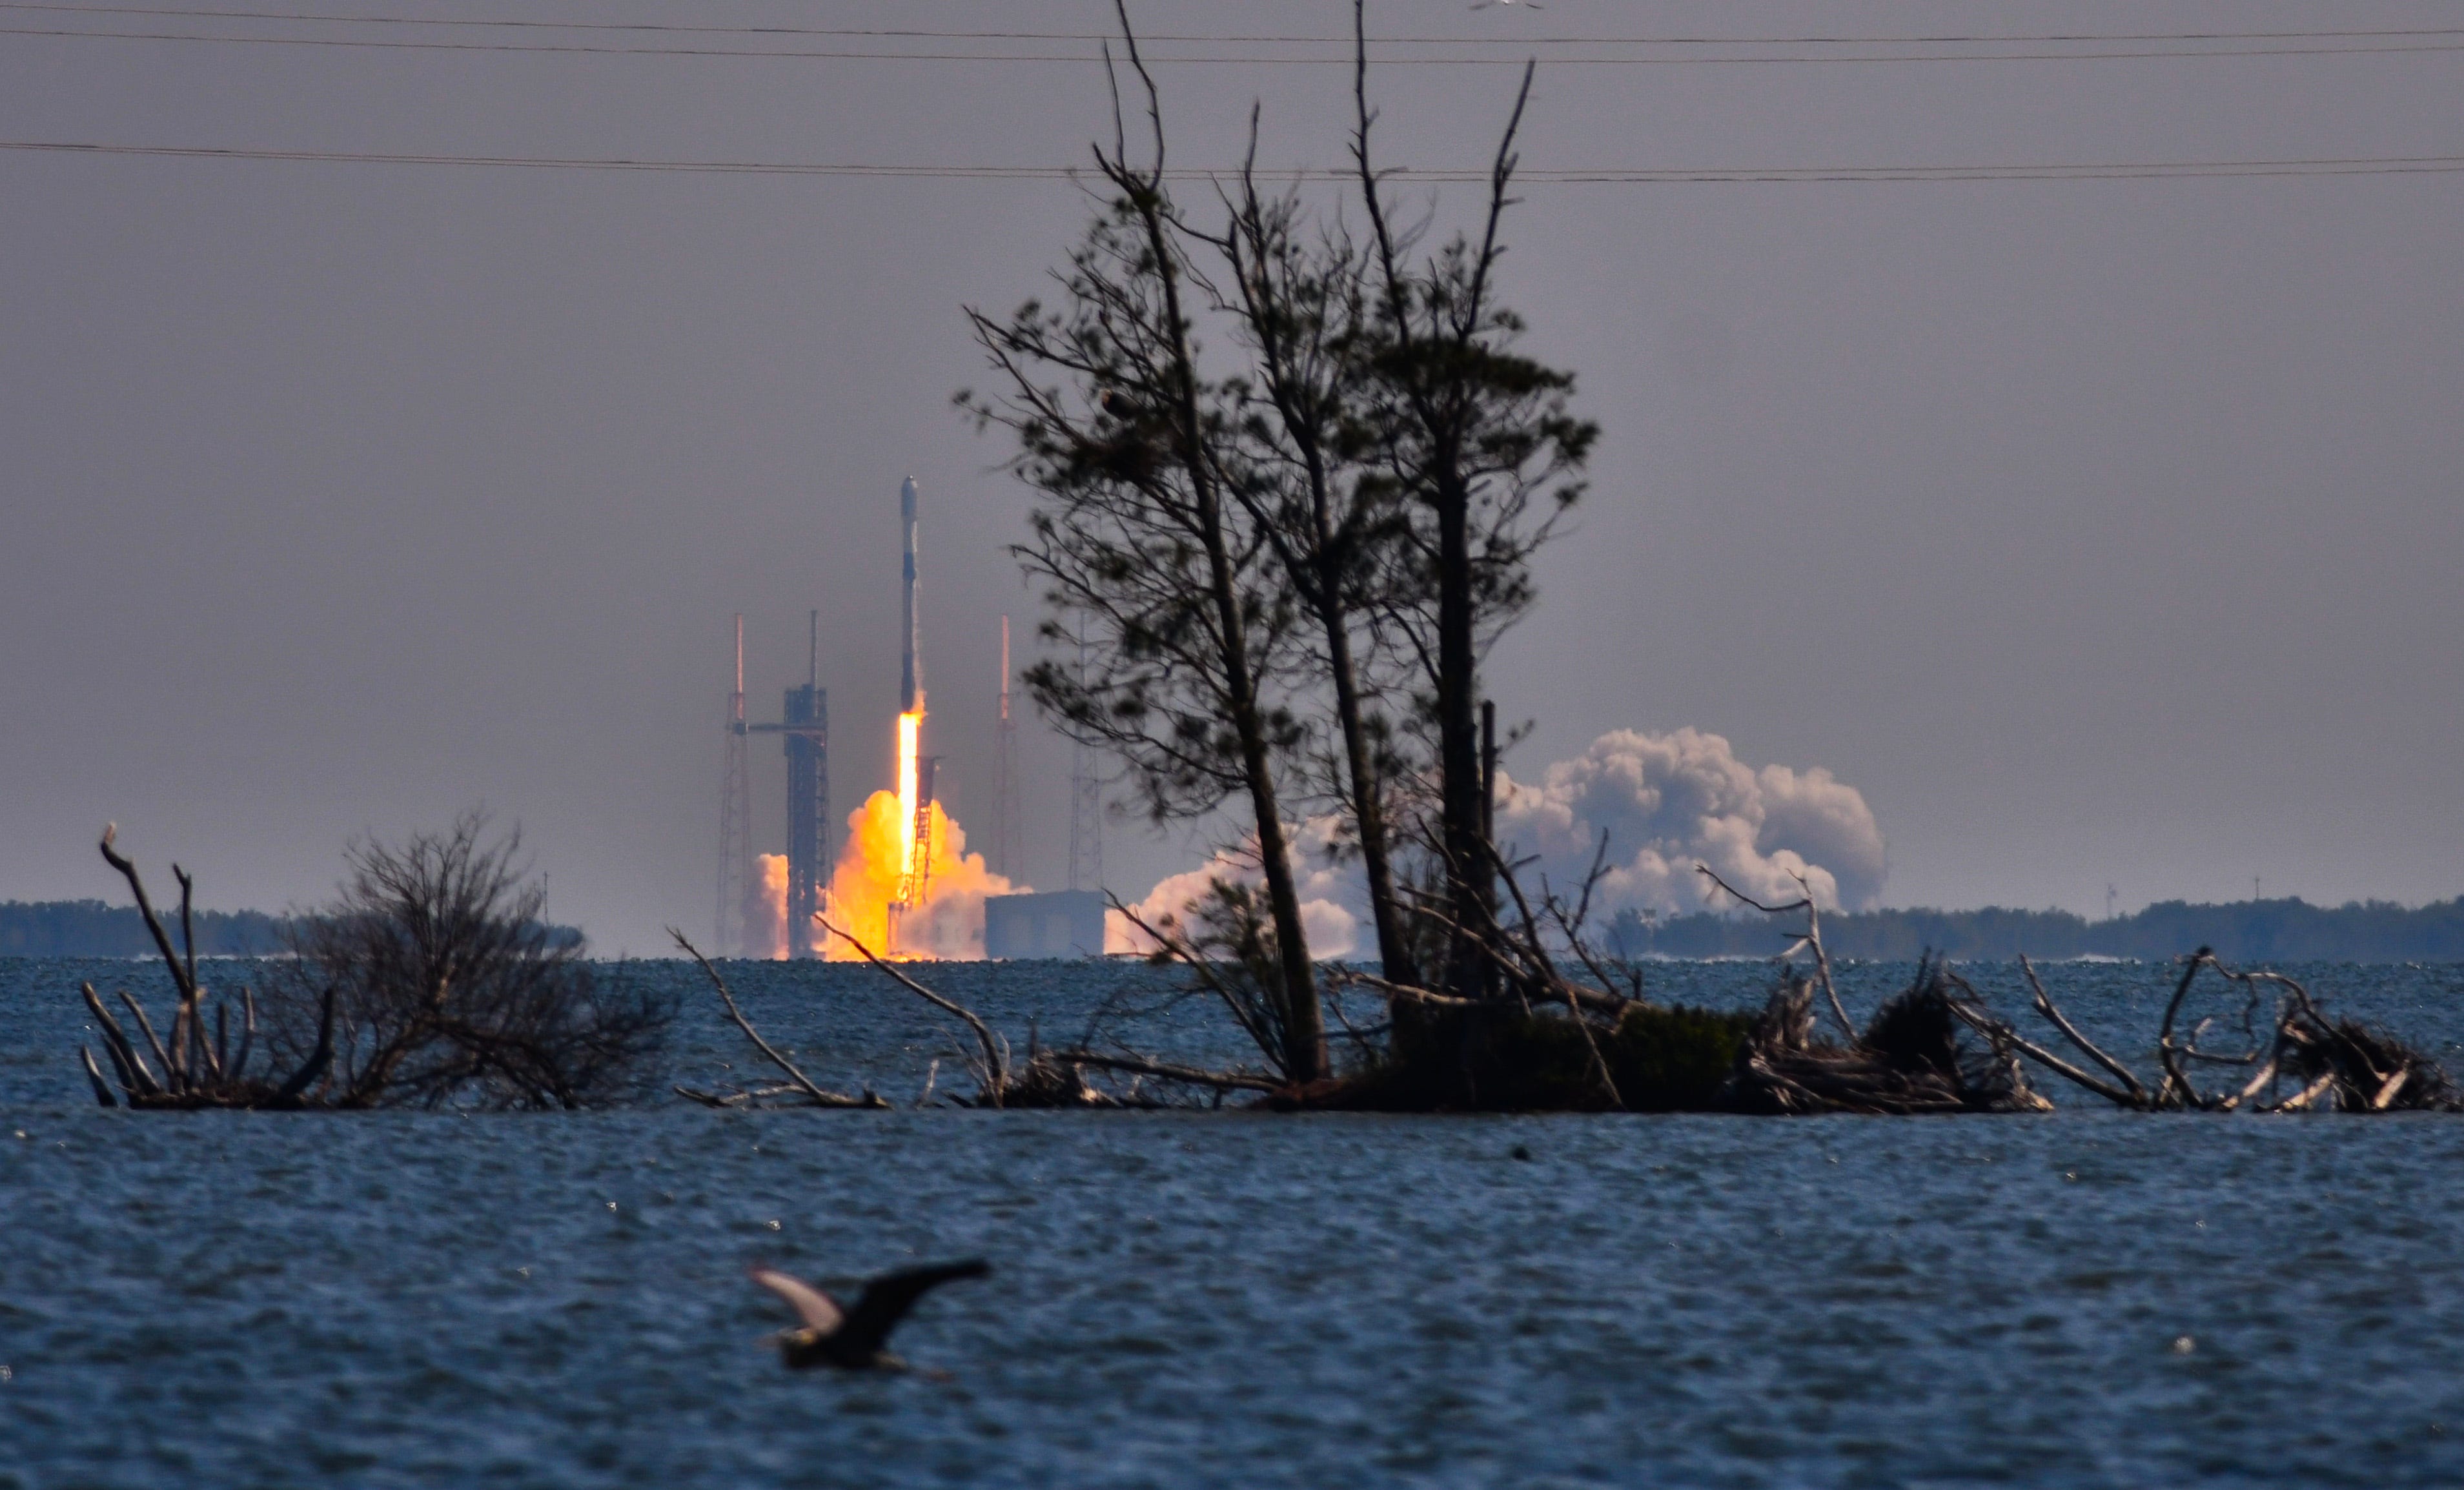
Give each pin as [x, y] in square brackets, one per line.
[2110, 171]
[2426, 44]
[1942, 39]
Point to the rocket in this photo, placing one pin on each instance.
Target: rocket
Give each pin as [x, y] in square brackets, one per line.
[911, 674]
[914, 788]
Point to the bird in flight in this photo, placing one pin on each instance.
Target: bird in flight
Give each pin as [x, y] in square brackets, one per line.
[1527, 5]
[853, 1338]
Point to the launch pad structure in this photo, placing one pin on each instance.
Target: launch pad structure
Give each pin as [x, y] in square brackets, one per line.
[804, 730]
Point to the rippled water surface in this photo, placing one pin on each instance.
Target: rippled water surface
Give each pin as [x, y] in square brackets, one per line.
[1224, 1297]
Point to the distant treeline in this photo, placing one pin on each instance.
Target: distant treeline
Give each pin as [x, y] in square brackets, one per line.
[2249, 931]
[91, 929]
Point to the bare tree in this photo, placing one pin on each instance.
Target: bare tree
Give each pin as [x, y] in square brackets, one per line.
[195, 1068]
[1253, 560]
[1147, 561]
[1482, 443]
[452, 990]
[1297, 300]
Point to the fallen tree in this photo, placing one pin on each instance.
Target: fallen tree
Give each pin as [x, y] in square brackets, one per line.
[1909, 1059]
[2305, 1061]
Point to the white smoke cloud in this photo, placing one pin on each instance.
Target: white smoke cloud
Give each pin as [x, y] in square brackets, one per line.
[1333, 898]
[765, 909]
[1670, 800]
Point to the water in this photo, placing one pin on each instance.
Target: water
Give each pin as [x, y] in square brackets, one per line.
[1227, 1299]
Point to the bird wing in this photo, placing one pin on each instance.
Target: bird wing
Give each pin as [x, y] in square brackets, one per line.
[818, 1309]
[886, 1299]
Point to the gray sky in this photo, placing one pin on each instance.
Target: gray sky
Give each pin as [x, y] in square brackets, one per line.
[2095, 529]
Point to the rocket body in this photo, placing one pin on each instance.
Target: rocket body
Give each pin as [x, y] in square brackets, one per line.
[911, 702]
[911, 672]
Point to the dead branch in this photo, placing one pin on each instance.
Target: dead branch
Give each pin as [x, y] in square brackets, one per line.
[995, 1050]
[1165, 1070]
[1986, 1024]
[145, 1027]
[1813, 937]
[2335, 1063]
[1909, 1061]
[181, 975]
[2176, 1087]
[1348, 976]
[1516, 972]
[314, 1066]
[1181, 952]
[2053, 1015]
[798, 1081]
[2308, 1094]
[93, 1076]
[133, 1077]
[197, 1071]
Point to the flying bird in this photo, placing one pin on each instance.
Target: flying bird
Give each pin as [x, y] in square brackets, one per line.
[853, 1339]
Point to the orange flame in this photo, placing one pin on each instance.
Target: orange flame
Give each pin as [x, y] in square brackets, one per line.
[873, 866]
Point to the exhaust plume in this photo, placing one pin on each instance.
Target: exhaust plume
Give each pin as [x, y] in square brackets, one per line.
[1669, 801]
[1335, 899]
[872, 868]
[765, 909]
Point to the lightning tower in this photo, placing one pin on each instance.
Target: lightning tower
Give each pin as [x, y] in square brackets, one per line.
[1085, 810]
[1009, 831]
[734, 818]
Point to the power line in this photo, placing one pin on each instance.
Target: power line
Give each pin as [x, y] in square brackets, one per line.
[2110, 171]
[597, 48]
[1278, 39]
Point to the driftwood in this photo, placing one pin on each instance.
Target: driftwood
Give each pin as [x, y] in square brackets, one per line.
[1810, 939]
[798, 1090]
[1170, 1071]
[1058, 1079]
[1909, 1059]
[191, 1070]
[1047, 1078]
[2303, 1062]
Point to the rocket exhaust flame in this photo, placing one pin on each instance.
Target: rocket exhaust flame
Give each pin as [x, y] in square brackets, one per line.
[910, 730]
[914, 796]
[946, 921]
[905, 884]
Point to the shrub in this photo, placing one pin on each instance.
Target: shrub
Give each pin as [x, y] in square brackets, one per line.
[450, 988]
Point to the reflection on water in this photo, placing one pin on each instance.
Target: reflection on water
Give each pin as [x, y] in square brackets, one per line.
[1228, 1299]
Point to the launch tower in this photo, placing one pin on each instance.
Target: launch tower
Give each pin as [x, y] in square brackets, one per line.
[805, 723]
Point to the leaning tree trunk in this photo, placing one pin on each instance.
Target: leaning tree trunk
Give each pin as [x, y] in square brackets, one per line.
[1304, 1020]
